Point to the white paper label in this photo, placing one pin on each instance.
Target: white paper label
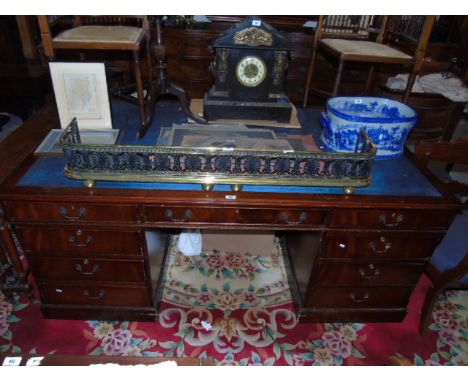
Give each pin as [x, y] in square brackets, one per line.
[256, 23]
[34, 361]
[12, 361]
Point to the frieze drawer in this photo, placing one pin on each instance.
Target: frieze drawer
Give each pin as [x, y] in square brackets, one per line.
[79, 268]
[283, 217]
[392, 219]
[247, 216]
[178, 214]
[93, 295]
[71, 212]
[367, 274]
[359, 297]
[48, 241]
[383, 245]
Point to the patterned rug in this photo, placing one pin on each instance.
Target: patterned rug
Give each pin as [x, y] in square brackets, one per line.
[237, 309]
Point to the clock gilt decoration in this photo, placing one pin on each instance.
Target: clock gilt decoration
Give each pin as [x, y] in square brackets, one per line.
[249, 66]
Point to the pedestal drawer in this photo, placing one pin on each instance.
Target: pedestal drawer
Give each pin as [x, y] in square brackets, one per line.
[358, 297]
[392, 219]
[93, 295]
[79, 268]
[77, 241]
[71, 212]
[383, 245]
[367, 274]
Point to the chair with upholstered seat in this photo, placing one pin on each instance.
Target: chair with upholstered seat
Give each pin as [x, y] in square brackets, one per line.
[113, 37]
[448, 267]
[349, 39]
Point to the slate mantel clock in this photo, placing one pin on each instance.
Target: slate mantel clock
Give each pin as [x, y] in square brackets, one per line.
[249, 67]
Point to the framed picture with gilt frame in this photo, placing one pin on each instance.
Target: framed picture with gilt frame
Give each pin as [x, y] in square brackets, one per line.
[81, 92]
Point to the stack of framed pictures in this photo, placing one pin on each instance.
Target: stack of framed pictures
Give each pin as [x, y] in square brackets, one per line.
[80, 92]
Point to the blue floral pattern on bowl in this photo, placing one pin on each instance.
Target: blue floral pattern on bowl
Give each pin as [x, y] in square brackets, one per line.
[386, 121]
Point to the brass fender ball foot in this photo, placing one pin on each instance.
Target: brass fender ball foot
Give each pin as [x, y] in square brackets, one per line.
[207, 186]
[89, 183]
[349, 190]
[236, 187]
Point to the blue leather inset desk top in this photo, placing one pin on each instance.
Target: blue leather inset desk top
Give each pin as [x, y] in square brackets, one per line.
[394, 177]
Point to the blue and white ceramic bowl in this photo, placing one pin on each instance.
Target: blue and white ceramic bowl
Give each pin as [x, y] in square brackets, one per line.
[386, 121]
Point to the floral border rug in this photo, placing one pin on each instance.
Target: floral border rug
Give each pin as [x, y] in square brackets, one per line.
[236, 308]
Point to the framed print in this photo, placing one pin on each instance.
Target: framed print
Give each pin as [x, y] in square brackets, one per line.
[81, 91]
[51, 143]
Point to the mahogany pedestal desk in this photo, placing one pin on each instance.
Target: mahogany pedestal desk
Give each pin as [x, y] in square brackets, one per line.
[349, 257]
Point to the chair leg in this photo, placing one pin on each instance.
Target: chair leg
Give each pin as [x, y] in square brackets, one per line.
[441, 283]
[309, 76]
[370, 79]
[149, 62]
[409, 86]
[150, 95]
[339, 74]
[139, 86]
[428, 306]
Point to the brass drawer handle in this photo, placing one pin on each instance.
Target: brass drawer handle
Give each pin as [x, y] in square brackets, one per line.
[393, 221]
[373, 272]
[98, 296]
[74, 239]
[186, 217]
[359, 300]
[81, 213]
[80, 268]
[285, 218]
[384, 248]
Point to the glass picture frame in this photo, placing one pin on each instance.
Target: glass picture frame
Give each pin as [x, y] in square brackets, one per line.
[51, 145]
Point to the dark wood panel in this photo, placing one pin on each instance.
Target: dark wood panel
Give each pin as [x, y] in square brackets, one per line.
[383, 245]
[351, 315]
[81, 268]
[20, 143]
[71, 212]
[79, 241]
[300, 254]
[358, 297]
[99, 312]
[367, 274]
[94, 295]
[392, 219]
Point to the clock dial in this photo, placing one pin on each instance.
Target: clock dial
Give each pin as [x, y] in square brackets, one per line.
[251, 71]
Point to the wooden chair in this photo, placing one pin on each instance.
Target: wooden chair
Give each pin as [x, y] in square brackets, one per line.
[448, 267]
[351, 38]
[107, 33]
